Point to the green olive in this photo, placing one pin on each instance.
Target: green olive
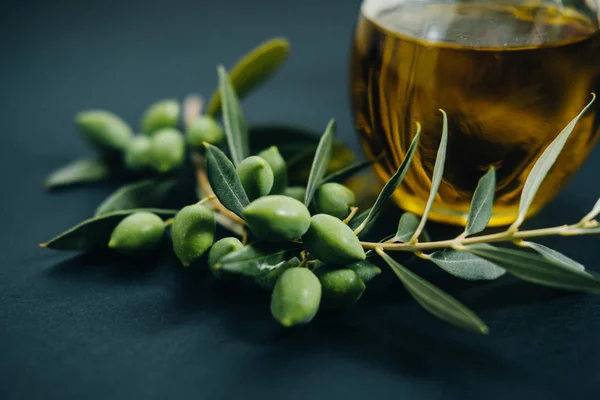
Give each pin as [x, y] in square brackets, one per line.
[138, 232]
[296, 297]
[268, 280]
[295, 192]
[340, 287]
[334, 199]
[138, 156]
[365, 270]
[192, 232]
[204, 129]
[162, 114]
[277, 164]
[219, 250]
[277, 218]
[167, 149]
[104, 130]
[256, 177]
[332, 241]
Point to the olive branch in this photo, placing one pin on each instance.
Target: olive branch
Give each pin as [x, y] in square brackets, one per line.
[325, 262]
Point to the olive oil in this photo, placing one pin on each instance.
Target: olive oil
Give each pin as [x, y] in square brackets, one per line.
[510, 77]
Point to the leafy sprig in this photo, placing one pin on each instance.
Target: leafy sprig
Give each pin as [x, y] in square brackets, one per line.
[472, 255]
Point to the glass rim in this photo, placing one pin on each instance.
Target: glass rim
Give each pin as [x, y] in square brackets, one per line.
[370, 8]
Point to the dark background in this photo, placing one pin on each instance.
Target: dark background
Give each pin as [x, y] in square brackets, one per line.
[96, 327]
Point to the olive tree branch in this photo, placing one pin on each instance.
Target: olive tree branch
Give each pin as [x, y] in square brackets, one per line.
[578, 229]
[192, 108]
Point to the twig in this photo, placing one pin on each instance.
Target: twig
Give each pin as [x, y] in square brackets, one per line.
[360, 228]
[507, 236]
[207, 199]
[353, 211]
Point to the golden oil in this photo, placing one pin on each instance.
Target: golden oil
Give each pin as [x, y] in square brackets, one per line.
[510, 78]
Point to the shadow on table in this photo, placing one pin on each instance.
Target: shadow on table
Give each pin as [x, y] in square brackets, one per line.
[106, 267]
[386, 329]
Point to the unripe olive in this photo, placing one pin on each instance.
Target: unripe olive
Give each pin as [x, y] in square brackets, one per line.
[219, 250]
[340, 287]
[138, 156]
[268, 280]
[162, 114]
[256, 177]
[296, 297]
[138, 232]
[295, 192]
[332, 241]
[104, 130]
[365, 270]
[277, 218]
[192, 232]
[277, 164]
[167, 148]
[204, 129]
[334, 199]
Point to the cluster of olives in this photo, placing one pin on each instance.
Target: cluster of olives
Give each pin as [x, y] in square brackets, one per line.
[277, 214]
[160, 148]
[336, 278]
[299, 292]
[330, 276]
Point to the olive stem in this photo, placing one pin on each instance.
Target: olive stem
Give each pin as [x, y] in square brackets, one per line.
[507, 236]
[304, 262]
[206, 199]
[360, 228]
[353, 211]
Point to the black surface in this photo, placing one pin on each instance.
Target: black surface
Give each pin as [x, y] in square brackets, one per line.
[92, 327]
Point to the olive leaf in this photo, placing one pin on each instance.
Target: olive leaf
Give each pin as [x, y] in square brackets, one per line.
[78, 172]
[320, 162]
[142, 194]
[94, 233]
[465, 265]
[253, 69]
[438, 172]
[365, 270]
[543, 164]
[554, 256]
[347, 172]
[236, 129]
[224, 180]
[393, 183]
[480, 212]
[406, 227]
[435, 300]
[256, 259]
[537, 269]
